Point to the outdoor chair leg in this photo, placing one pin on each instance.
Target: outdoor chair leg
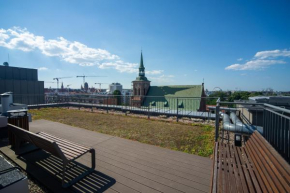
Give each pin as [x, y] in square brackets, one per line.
[64, 185]
[65, 167]
[93, 158]
[17, 144]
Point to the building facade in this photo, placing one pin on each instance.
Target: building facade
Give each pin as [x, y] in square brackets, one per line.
[115, 86]
[23, 83]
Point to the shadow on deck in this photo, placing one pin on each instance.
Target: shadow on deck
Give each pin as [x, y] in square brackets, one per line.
[47, 169]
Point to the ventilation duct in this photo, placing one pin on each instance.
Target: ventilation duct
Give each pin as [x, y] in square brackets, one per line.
[5, 103]
[237, 125]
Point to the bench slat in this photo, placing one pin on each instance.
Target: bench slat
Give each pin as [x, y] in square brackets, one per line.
[232, 171]
[245, 169]
[63, 144]
[256, 167]
[239, 166]
[269, 169]
[69, 143]
[278, 161]
[236, 172]
[68, 151]
[264, 186]
[251, 171]
[220, 182]
[227, 169]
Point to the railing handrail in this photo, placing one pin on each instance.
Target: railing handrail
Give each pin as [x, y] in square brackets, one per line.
[241, 103]
[277, 108]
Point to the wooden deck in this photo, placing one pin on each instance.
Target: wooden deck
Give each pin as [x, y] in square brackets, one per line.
[134, 166]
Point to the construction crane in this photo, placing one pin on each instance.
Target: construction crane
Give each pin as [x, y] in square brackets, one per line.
[87, 76]
[68, 88]
[57, 79]
[100, 84]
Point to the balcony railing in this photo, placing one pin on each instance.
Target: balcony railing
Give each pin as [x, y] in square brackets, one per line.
[178, 107]
[274, 121]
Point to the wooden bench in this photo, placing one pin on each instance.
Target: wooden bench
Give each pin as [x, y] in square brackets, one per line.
[256, 167]
[66, 150]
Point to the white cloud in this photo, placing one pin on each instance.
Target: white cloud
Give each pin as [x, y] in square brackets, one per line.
[120, 66]
[42, 68]
[162, 79]
[254, 65]
[71, 52]
[272, 54]
[153, 72]
[262, 60]
[239, 59]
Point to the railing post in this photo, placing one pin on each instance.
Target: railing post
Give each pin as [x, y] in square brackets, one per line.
[177, 109]
[107, 104]
[148, 111]
[217, 119]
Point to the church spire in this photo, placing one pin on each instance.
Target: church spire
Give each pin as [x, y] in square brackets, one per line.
[141, 70]
[141, 61]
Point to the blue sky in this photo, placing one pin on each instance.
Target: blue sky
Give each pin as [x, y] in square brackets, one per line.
[231, 44]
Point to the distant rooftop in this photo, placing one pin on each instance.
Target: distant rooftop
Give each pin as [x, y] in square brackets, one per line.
[274, 100]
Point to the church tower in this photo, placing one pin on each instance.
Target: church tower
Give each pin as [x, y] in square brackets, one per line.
[140, 86]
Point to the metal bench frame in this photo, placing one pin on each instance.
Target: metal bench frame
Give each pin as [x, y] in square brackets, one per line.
[45, 141]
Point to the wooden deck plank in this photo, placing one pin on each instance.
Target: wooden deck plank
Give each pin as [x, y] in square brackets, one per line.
[163, 152]
[189, 180]
[123, 179]
[169, 160]
[90, 137]
[140, 167]
[154, 177]
[202, 172]
[162, 177]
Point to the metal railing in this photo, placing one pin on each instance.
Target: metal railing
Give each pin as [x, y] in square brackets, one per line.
[274, 121]
[276, 129]
[178, 107]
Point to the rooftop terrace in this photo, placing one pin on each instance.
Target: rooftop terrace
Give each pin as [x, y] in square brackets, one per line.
[121, 165]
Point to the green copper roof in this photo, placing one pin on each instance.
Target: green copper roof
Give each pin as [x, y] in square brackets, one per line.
[165, 97]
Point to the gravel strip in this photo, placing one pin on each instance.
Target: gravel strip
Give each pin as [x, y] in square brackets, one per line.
[33, 185]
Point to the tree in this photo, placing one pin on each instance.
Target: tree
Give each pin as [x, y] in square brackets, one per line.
[219, 94]
[117, 94]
